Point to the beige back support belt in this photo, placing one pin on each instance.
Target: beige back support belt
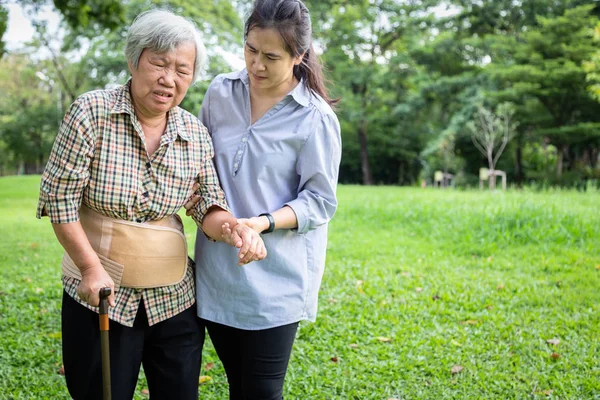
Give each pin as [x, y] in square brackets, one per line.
[136, 255]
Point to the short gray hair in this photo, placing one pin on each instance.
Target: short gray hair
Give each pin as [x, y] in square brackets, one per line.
[161, 31]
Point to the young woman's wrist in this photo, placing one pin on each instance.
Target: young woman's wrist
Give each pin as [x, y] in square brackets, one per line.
[267, 223]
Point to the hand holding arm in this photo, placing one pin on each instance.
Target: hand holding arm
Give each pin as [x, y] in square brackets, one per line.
[238, 235]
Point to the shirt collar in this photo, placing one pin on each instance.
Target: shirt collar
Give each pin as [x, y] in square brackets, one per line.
[124, 105]
[301, 94]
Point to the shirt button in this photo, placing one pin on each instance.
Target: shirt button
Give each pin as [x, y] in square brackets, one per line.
[240, 152]
[148, 165]
[244, 139]
[235, 165]
[145, 194]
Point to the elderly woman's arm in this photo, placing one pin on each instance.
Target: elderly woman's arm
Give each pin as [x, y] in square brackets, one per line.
[93, 276]
[208, 208]
[65, 177]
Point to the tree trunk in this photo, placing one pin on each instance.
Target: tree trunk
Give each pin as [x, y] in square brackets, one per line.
[559, 163]
[519, 165]
[590, 156]
[364, 155]
[561, 157]
[492, 179]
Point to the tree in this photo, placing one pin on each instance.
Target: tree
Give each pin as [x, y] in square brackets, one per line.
[3, 27]
[592, 68]
[32, 113]
[491, 132]
[84, 14]
[545, 64]
[361, 37]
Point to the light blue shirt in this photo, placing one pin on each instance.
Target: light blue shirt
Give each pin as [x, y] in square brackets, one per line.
[290, 156]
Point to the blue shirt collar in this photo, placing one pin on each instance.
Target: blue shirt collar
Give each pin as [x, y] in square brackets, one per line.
[301, 94]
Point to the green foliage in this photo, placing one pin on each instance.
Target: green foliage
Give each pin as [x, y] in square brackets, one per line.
[31, 115]
[3, 27]
[546, 64]
[408, 78]
[417, 281]
[84, 14]
[592, 68]
[364, 42]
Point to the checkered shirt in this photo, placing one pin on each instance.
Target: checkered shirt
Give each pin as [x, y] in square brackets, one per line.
[99, 159]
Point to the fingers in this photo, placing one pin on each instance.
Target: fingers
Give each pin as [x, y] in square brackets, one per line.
[261, 251]
[249, 242]
[89, 296]
[229, 237]
[255, 254]
[191, 203]
[253, 248]
[90, 285]
[192, 200]
[111, 298]
[236, 238]
[225, 229]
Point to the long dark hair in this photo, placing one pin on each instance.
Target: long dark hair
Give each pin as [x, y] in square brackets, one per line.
[292, 20]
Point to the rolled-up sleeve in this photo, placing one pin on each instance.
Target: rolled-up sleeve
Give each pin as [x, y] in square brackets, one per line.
[210, 191]
[67, 172]
[318, 168]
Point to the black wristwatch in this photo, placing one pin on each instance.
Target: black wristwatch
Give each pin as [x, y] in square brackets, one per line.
[271, 227]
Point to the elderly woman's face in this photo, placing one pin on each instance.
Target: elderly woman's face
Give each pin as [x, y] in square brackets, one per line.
[161, 80]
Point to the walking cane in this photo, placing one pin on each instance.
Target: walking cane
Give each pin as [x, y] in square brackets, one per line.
[104, 343]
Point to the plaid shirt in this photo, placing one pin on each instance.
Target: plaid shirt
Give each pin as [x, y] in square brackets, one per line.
[99, 158]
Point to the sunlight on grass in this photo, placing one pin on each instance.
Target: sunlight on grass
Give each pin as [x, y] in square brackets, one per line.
[418, 282]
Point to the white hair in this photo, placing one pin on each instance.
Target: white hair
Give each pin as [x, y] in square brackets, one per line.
[161, 31]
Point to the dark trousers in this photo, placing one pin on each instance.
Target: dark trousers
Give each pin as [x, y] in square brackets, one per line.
[255, 361]
[170, 351]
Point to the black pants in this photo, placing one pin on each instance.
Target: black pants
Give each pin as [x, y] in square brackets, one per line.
[171, 352]
[255, 361]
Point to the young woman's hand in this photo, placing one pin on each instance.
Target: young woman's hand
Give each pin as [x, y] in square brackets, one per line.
[259, 224]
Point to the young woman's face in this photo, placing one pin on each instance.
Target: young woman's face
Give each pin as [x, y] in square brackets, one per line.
[269, 65]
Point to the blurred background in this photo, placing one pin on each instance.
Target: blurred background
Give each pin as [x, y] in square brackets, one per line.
[432, 92]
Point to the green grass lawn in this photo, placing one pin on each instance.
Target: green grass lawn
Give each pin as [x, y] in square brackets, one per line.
[418, 282]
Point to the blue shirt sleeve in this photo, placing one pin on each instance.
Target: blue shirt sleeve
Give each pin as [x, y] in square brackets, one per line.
[318, 168]
[205, 110]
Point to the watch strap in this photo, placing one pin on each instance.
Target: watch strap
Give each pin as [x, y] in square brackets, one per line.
[271, 227]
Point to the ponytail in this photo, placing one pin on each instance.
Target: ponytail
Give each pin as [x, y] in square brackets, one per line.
[311, 71]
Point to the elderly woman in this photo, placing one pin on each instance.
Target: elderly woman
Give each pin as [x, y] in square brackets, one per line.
[123, 164]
